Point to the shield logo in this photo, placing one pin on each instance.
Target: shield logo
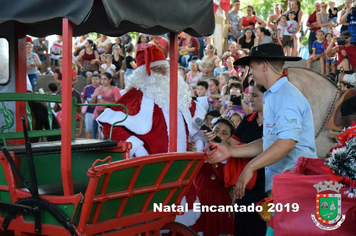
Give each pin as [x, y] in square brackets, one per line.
[328, 208]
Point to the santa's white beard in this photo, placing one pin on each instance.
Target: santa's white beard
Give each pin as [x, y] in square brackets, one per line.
[156, 87]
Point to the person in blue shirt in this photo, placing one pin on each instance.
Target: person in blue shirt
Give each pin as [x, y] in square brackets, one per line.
[318, 51]
[350, 18]
[288, 127]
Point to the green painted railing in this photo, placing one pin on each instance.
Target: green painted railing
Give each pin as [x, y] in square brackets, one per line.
[27, 97]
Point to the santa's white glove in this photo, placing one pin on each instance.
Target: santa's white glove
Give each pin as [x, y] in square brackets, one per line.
[137, 147]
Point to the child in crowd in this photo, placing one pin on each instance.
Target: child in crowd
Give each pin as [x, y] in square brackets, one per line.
[108, 66]
[201, 90]
[236, 118]
[86, 95]
[214, 95]
[318, 51]
[234, 79]
[230, 66]
[102, 59]
[210, 188]
[330, 59]
[223, 80]
[289, 30]
[282, 24]
[209, 116]
[219, 68]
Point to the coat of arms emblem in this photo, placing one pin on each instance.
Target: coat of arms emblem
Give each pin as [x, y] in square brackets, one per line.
[328, 206]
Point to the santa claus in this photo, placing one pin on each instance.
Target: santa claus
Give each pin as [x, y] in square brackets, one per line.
[147, 124]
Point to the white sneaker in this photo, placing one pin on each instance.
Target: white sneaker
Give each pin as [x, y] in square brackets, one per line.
[49, 72]
[38, 72]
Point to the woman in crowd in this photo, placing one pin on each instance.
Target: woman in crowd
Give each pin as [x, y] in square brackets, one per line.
[130, 61]
[272, 19]
[263, 36]
[32, 62]
[108, 93]
[88, 60]
[142, 42]
[188, 47]
[79, 44]
[58, 73]
[247, 40]
[249, 130]
[104, 44]
[207, 64]
[117, 43]
[232, 52]
[323, 19]
[235, 101]
[193, 75]
[250, 20]
[118, 60]
[296, 7]
[344, 26]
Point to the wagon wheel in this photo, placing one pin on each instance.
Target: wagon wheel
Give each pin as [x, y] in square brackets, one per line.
[178, 229]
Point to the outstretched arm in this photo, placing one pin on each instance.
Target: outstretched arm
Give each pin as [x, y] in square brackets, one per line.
[279, 149]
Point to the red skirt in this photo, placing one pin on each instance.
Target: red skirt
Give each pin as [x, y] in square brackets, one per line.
[211, 191]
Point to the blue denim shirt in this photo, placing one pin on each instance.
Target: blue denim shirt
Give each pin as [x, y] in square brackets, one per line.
[287, 115]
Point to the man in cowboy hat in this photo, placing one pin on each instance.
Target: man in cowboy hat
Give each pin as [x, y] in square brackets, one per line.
[288, 130]
[147, 100]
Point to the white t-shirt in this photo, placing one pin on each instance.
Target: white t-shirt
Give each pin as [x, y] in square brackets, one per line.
[281, 28]
[56, 50]
[291, 27]
[107, 69]
[80, 44]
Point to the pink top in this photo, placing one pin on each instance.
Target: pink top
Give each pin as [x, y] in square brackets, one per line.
[139, 46]
[112, 96]
[192, 81]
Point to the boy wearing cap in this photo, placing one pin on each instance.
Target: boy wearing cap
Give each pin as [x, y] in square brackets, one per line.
[288, 127]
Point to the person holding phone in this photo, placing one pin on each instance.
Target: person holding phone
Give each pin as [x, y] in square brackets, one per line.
[235, 102]
[346, 54]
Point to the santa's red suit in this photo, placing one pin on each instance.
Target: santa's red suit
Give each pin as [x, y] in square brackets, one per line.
[147, 125]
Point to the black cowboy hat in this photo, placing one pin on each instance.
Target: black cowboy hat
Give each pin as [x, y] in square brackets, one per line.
[265, 51]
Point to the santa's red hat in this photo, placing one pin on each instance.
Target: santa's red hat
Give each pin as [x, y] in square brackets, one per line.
[150, 56]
